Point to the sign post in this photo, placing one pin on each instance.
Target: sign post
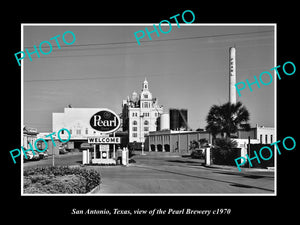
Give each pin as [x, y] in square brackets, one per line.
[53, 157]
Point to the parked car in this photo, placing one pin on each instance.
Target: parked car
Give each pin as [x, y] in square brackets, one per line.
[198, 153]
[43, 154]
[30, 156]
[62, 150]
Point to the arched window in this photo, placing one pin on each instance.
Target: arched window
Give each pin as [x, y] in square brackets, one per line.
[146, 122]
[134, 122]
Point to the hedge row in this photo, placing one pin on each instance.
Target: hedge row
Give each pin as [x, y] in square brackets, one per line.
[225, 156]
[60, 180]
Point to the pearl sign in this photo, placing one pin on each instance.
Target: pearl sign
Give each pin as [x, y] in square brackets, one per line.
[105, 121]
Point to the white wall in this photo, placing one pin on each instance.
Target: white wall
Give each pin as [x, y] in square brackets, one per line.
[76, 120]
[266, 131]
[242, 143]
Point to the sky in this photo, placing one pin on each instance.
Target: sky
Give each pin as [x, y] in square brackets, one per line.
[186, 68]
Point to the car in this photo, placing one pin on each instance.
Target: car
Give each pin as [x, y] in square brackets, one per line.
[30, 156]
[62, 150]
[43, 154]
[198, 153]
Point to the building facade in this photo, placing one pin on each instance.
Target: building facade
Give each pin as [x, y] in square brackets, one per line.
[77, 121]
[262, 134]
[29, 137]
[179, 142]
[140, 113]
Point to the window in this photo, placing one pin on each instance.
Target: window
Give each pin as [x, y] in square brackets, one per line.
[134, 128]
[146, 122]
[78, 131]
[134, 114]
[146, 128]
[62, 132]
[145, 95]
[266, 137]
[70, 131]
[86, 131]
[260, 137]
[271, 136]
[134, 122]
[134, 134]
[145, 105]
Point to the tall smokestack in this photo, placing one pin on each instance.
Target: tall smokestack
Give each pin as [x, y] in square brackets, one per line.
[232, 76]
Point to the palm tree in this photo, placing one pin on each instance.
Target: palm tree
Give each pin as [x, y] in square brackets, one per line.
[227, 119]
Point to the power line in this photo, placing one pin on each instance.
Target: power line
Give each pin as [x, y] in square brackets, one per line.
[88, 78]
[161, 40]
[97, 54]
[134, 76]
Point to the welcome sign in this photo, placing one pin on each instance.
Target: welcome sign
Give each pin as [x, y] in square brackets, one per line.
[105, 121]
[104, 140]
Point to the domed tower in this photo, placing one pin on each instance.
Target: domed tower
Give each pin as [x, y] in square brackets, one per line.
[146, 96]
[135, 99]
[134, 96]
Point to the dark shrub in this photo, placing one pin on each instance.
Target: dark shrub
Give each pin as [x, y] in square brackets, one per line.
[224, 152]
[60, 180]
[225, 144]
[265, 154]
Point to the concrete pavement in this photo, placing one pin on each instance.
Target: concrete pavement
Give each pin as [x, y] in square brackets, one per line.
[177, 175]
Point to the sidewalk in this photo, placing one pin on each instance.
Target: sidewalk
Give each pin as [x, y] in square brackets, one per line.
[243, 169]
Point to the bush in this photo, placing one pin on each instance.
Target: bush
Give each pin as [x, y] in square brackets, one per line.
[263, 163]
[60, 180]
[225, 143]
[224, 152]
[225, 156]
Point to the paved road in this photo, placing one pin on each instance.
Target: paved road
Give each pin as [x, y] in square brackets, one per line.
[157, 174]
[177, 175]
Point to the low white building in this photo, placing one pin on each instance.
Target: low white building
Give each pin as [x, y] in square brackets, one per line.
[77, 121]
[263, 135]
[257, 135]
[29, 136]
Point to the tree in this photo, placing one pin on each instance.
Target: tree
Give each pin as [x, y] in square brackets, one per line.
[227, 119]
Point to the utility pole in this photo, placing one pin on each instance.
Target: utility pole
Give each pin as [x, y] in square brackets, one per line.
[249, 150]
[53, 156]
[142, 143]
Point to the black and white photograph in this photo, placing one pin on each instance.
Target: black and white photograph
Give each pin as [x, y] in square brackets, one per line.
[150, 112]
[161, 116]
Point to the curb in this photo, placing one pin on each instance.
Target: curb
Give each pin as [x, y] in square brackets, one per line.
[224, 167]
[94, 190]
